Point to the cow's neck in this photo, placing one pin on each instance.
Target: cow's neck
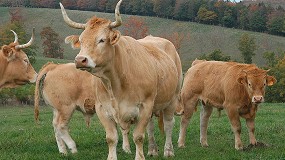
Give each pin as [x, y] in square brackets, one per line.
[3, 64]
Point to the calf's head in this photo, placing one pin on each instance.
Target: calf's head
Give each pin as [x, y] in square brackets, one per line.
[96, 42]
[255, 82]
[16, 69]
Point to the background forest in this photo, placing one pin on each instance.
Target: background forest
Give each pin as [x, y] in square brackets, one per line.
[204, 29]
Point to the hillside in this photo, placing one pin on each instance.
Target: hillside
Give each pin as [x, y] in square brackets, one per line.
[203, 38]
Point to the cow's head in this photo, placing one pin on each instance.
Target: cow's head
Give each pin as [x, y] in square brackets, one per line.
[16, 69]
[96, 42]
[255, 82]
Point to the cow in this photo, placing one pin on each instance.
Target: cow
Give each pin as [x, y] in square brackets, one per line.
[15, 67]
[143, 77]
[67, 89]
[237, 88]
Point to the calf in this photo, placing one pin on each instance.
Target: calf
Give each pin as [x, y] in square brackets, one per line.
[237, 88]
[66, 88]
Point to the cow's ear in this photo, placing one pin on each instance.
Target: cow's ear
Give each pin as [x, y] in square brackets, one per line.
[8, 52]
[270, 80]
[242, 78]
[114, 37]
[73, 40]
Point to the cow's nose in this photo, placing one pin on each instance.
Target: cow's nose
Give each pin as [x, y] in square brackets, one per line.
[81, 61]
[257, 99]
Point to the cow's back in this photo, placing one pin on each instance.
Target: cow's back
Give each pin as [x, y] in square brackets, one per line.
[208, 80]
[67, 85]
[161, 46]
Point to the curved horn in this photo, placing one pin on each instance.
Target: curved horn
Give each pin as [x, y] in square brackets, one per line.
[16, 36]
[69, 21]
[27, 44]
[118, 21]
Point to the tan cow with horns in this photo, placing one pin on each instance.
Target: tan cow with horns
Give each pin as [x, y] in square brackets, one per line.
[15, 68]
[237, 88]
[142, 77]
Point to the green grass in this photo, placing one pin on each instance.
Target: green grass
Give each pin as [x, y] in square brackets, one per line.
[203, 38]
[21, 138]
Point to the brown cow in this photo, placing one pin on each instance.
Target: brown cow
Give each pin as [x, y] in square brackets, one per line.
[142, 77]
[15, 68]
[237, 88]
[66, 89]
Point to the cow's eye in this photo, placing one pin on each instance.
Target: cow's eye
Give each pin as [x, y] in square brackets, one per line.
[26, 61]
[249, 85]
[101, 41]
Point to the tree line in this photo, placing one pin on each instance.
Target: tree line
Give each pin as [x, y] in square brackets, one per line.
[258, 17]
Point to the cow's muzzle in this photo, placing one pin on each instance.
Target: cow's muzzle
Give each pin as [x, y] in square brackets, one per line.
[257, 99]
[81, 62]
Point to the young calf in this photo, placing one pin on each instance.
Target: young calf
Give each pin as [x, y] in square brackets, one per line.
[66, 88]
[237, 88]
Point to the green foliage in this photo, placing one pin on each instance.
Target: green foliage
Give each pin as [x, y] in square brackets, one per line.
[247, 47]
[51, 43]
[206, 16]
[216, 55]
[276, 25]
[276, 93]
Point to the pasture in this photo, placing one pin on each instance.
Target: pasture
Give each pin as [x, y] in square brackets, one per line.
[22, 138]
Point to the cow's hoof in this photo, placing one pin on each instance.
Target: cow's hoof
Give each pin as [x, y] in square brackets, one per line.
[204, 144]
[152, 150]
[239, 147]
[168, 153]
[74, 151]
[181, 145]
[127, 150]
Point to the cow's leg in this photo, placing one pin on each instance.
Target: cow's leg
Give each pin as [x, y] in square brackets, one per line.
[204, 119]
[62, 128]
[236, 126]
[152, 147]
[168, 120]
[250, 127]
[189, 108]
[60, 144]
[138, 134]
[111, 133]
[126, 144]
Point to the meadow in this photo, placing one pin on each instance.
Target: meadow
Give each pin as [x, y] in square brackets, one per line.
[22, 138]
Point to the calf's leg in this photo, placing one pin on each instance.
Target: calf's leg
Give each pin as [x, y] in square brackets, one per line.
[152, 146]
[250, 127]
[189, 108]
[236, 125]
[126, 144]
[204, 120]
[61, 123]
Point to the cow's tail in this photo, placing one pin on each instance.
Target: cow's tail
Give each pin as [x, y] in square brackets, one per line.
[160, 122]
[41, 75]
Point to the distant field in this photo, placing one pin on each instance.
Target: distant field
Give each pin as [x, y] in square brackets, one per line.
[203, 38]
[21, 138]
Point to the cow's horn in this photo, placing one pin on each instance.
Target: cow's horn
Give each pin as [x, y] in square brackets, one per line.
[16, 36]
[27, 44]
[69, 21]
[118, 21]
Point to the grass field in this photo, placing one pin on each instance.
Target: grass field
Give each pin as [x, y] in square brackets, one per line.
[21, 138]
[203, 38]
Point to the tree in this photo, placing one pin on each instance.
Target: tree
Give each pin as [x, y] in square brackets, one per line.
[177, 38]
[16, 24]
[206, 16]
[276, 93]
[247, 47]
[135, 27]
[216, 55]
[51, 43]
[271, 59]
